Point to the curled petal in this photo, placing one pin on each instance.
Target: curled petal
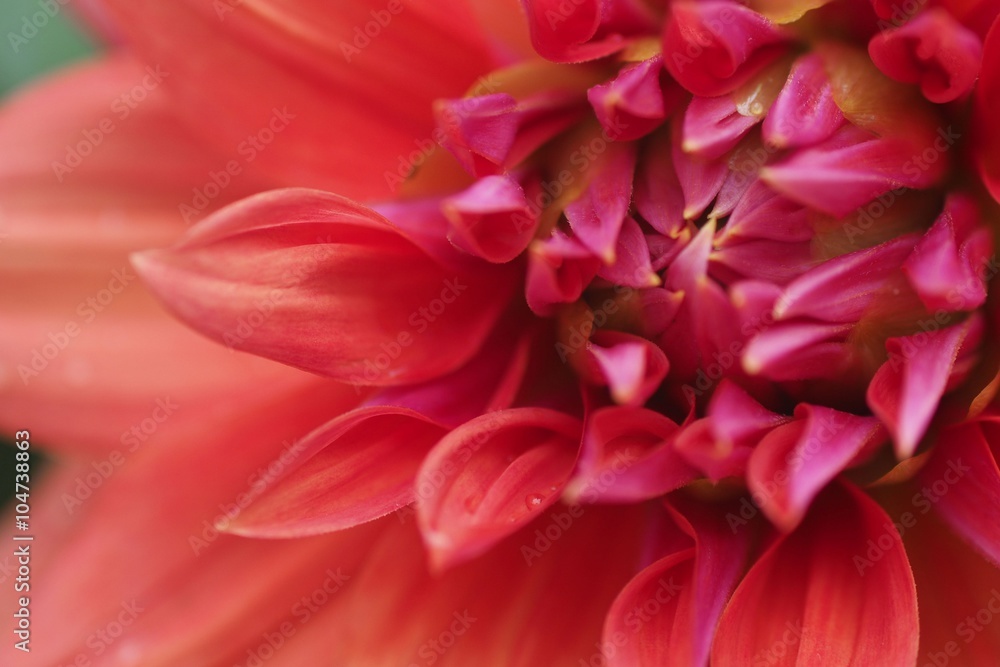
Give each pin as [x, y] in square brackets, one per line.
[597, 216]
[627, 456]
[948, 264]
[633, 266]
[805, 111]
[793, 463]
[713, 47]
[491, 219]
[492, 476]
[906, 389]
[559, 269]
[635, 102]
[932, 49]
[584, 29]
[632, 367]
[715, 125]
[721, 443]
[298, 276]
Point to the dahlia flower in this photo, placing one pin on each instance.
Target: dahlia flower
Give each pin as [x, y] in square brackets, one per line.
[559, 332]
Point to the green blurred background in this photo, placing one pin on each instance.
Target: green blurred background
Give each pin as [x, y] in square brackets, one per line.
[27, 52]
[57, 42]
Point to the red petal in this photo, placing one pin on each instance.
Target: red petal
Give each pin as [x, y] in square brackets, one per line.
[298, 276]
[492, 476]
[359, 467]
[819, 611]
[962, 482]
[299, 73]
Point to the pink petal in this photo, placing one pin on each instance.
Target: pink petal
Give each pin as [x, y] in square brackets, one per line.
[658, 194]
[948, 263]
[489, 132]
[805, 112]
[932, 49]
[798, 351]
[854, 167]
[297, 276]
[357, 468]
[632, 367]
[492, 476]
[491, 219]
[794, 462]
[627, 456]
[986, 98]
[842, 289]
[819, 611]
[764, 214]
[713, 47]
[713, 126]
[636, 101]
[632, 267]
[597, 216]
[700, 178]
[721, 443]
[559, 269]
[669, 611]
[906, 389]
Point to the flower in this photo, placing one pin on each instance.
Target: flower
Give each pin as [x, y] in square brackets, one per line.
[671, 346]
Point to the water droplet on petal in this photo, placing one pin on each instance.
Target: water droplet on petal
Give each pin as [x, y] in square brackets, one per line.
[534, 500]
